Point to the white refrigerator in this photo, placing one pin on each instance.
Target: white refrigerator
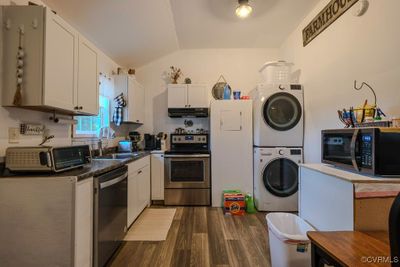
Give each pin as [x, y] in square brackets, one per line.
[231, 134]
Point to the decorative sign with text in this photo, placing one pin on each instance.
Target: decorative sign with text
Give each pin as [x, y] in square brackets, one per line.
[326, 17]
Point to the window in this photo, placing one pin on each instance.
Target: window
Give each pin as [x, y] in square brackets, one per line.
[89, 126]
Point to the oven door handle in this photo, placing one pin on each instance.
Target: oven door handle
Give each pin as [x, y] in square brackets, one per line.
[353, 149]
[187, 156]
[113, 181]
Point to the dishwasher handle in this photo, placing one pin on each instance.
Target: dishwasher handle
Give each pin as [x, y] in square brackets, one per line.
[113, 181]
[187, 156]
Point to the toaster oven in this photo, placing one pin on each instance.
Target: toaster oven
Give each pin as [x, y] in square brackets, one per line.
[46, 159]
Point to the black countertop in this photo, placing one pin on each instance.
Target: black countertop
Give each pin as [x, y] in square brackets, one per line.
[95, 168]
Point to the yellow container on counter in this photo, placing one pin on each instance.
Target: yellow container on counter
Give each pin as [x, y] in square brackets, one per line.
[368, 111]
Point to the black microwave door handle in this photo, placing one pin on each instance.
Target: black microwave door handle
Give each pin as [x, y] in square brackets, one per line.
[353, 147]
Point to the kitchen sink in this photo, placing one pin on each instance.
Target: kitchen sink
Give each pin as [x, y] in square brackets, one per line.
[118, 156]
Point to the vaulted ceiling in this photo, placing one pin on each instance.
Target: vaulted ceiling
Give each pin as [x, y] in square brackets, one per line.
[135, 32]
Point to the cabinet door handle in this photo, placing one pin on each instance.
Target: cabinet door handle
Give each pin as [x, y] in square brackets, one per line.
[76, 107]
[139, 172]
[80, 107]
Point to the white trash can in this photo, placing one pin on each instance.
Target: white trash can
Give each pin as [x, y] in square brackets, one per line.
[288, 242]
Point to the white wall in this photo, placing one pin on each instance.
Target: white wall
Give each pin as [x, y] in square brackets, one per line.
[364, 48]
[239, 67]
[12, 117]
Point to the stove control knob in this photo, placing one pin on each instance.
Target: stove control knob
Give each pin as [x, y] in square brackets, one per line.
[281, 152]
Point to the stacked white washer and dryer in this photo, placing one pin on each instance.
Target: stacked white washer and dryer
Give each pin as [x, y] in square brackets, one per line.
[278, 121]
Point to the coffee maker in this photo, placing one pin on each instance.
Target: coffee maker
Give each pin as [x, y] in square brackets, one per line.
[150, 142]
[135, 139]
[155, 142]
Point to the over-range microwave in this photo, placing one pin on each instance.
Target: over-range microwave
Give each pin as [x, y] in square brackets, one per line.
[374, 151]
[46, 158]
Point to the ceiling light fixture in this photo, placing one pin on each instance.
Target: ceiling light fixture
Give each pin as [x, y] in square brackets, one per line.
[244, 9]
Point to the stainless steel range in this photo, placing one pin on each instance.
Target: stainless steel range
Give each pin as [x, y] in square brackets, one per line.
[187, 170]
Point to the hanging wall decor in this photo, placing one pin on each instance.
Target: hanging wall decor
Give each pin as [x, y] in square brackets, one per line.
[325, 18]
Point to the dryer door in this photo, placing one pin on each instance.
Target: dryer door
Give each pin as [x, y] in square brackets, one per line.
[280, 177]
[282, 111]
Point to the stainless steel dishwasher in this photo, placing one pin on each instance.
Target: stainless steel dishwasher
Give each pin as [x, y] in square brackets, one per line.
[110, 213]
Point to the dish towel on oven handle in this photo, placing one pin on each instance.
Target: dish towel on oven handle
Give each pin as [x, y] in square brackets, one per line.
[120, 103]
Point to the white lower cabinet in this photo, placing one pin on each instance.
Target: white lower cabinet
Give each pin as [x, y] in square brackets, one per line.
[84, 223]
[157, 176]
[49, 222]
[138, 188]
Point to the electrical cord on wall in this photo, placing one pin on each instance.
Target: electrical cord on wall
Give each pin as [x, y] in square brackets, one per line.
[46, 139]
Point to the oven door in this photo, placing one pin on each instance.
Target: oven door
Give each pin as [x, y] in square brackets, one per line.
[187, 171]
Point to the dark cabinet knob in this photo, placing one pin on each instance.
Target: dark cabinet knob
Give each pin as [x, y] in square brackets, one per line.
[76, 107]
[80, 107]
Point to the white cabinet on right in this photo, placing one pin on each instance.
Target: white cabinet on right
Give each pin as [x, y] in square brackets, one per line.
[157, 176]
[231, 147]
[331, 199]
[187, 96]
[134, 95]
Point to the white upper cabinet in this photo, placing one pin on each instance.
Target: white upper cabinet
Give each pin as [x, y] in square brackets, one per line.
[58, 65]
[134, 95]
[88, 78]
[187, 96]
[60, 79]
[136, 100]
[197, 96]
[177, 96]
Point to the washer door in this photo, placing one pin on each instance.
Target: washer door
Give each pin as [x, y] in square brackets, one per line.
[280, 177]
[282, 111]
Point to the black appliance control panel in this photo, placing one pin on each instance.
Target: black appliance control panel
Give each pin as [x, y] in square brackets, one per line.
[194, 142]
[366, 148]
[189, 139]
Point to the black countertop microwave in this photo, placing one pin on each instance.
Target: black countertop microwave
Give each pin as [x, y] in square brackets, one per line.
[374, 151]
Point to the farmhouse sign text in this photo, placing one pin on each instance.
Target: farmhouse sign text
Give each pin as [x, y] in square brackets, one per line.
[326, 17]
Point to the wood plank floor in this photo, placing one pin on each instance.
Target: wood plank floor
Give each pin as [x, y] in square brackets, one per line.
[202, 236]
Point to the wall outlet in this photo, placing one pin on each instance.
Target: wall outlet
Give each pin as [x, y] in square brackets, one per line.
[13, 135]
